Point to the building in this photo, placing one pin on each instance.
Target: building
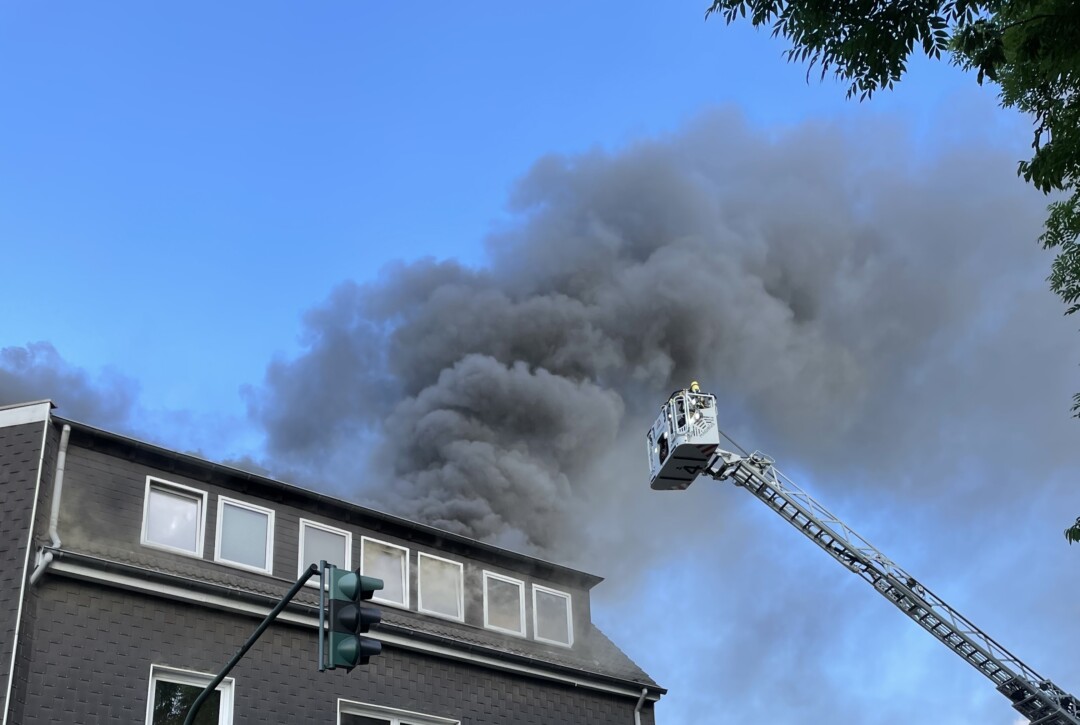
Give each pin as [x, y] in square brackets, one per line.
[130, 574]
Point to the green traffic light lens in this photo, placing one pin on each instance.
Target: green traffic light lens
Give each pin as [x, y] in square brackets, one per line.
[347, 651]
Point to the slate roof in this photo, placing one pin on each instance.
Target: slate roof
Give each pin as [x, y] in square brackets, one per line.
[273, 489]
[593, 653]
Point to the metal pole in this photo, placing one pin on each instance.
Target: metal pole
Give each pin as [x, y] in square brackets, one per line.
[322, 613]
[311, 571]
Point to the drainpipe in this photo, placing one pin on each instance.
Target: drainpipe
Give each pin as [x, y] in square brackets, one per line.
[640, 702]
[44, 559]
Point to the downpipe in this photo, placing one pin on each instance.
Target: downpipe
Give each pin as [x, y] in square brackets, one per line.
[637, 708]
[45, 556]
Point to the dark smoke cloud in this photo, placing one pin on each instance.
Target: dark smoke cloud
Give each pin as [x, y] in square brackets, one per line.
[38, 372]
[486, 450]
[829, 288]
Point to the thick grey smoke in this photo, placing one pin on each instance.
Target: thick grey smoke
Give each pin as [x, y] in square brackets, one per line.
[832, 290]
[38, 372]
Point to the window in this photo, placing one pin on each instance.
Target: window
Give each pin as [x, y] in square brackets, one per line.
[390, 563]
[504, 604]
[174, 517]
[245, 535]
[439, 585]
[552, 620]
[355, 713]
[173, 692]
[320, 542]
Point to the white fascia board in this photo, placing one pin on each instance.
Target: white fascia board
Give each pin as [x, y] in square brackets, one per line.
[216, 601]
[23, 413]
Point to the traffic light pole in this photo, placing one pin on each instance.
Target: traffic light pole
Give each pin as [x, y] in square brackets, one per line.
[322, 615]
[310, 572]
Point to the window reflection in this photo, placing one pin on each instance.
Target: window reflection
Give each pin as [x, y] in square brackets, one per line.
[244, 536]
[172, 519]
[440, 586]
[552, 616]
[387, 562]
[172, 700]
[503, 604]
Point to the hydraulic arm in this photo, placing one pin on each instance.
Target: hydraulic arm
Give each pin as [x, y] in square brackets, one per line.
[686, 429]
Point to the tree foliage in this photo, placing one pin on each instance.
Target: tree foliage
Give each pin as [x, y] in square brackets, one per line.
[172, 701]
[1029, 48]
[1072, 534]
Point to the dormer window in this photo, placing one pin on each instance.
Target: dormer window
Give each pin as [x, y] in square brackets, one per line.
[174, 517]
[319, 542]
[439, 583]
[390, 563]
[552, 618]
[245, 535]
[504, 604]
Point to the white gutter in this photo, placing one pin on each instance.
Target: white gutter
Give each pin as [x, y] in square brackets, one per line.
[640, 702]
[44, 559]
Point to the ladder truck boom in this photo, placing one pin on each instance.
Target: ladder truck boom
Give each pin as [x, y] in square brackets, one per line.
[684, 443]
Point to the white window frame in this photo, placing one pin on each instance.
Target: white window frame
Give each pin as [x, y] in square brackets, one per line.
[405, 573]
[521, 616]
[420, 587]
[395, 716]
[182, 490]
[301, 567]
[194, 679]
[222, 502]
[569, 616]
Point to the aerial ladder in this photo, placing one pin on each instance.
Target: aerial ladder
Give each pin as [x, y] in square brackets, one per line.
[684, 443]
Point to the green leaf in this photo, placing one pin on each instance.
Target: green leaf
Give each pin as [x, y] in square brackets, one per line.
[1072, 534]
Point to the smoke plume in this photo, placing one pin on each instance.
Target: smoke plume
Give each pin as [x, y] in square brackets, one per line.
[832, 291]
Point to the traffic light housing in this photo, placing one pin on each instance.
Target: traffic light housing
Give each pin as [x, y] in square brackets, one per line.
[347, 618]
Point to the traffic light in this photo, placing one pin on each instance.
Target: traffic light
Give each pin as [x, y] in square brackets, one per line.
[348, 618]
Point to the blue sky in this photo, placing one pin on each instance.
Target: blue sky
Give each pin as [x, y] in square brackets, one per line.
[235, 163]
[181, 185]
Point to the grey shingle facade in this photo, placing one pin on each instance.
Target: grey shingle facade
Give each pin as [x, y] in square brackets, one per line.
[109, 608]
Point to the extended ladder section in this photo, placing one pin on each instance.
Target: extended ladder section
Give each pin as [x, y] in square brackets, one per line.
[1037, 699]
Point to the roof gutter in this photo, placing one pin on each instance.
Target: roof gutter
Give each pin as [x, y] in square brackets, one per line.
[128, 576]
[45, 557]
